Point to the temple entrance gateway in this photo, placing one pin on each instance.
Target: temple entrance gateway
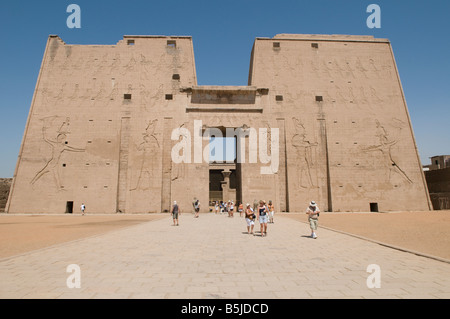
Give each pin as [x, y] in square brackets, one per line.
[223, 182]
[323, 118]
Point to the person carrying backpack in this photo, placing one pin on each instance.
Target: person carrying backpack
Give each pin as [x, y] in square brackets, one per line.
[175, 212]
[196, 208]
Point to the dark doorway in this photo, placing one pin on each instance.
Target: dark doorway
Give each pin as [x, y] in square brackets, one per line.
[374, 207]
[69, 207]
[215, 185]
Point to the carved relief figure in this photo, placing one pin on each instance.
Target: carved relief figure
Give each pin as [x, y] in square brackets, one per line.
[130, 66]
[75, 93]
[179, 169]
[114, 92]
[386, 143]
[46, 94]
[147, 148]
[144, 94]
[58, 147]
[60, 95]
[303, 151]
[100, 93]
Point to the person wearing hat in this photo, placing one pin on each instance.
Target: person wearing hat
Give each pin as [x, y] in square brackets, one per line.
[313, 217]
[175, 212]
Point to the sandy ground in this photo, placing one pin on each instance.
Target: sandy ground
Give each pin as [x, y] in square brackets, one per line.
[23, 233]
[423, 232]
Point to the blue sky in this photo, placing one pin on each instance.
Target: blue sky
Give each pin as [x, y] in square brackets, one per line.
[224, 31]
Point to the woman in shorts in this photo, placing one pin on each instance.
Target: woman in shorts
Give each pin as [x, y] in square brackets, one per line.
[241, 209]
[271, 210]
[249, 219]
[175, 212]
[262, 214]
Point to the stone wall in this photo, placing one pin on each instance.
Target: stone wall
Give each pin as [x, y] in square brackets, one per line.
[438, 182]
[109, 124]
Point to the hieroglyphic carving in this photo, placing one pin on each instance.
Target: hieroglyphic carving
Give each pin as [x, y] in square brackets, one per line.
[360, 68]
[115, 65]
[339, 68]
[385, 146]
[147, 148]
[179, 169]
[75, 93]
[60, 95]
[303, 151]
[114, 91]
[145, 68]
[58, 147]
[130, 66]
[144, 94]
[46, 94]
[100, 93]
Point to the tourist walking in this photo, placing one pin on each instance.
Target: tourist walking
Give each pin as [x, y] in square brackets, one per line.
[82, 207]
[262, 216]
[231, 209]
[271, 210]
[196, 207]
[241, 209]
[250, 219]
[216, 207]
[313, 217]
[175, 212]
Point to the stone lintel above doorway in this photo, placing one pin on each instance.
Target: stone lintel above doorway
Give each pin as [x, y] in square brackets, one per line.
[207, 94]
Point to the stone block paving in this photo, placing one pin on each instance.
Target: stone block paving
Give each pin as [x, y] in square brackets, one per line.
[213, 257]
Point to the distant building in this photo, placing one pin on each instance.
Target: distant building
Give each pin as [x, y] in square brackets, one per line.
[5, 185]
[437, 175]
[439, 162]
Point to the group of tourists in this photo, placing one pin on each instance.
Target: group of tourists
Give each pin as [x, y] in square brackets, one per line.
[177, 211]
[264, 213]
[228, 207]
[260, 211]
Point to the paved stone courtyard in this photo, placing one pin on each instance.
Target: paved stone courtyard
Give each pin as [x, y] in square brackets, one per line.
[214, 257]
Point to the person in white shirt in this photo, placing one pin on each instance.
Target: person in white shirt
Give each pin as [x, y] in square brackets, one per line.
[313, 217]
[249, 218]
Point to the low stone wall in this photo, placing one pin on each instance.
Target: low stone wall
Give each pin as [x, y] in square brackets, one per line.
[438, 182]
[440, 200]
[5, 185]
